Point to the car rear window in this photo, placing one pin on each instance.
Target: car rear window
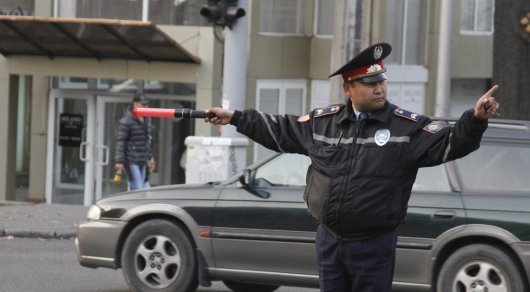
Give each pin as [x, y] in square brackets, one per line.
[497, 166]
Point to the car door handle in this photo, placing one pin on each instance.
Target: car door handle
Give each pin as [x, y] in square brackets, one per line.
[444, 215]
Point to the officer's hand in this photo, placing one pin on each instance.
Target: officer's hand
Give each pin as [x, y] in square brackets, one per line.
[222, 116]
[486, 105]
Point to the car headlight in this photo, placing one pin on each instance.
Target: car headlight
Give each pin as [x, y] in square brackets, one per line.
[94, 212]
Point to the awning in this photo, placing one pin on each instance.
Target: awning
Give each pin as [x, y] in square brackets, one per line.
[89, 38]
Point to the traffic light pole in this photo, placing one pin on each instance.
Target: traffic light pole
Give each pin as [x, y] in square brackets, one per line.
[235, 67]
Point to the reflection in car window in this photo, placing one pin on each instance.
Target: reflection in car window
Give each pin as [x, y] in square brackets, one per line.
[285, 170]
[432, 179]
[497, 167]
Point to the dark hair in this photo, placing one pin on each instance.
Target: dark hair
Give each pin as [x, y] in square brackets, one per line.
[141, 97]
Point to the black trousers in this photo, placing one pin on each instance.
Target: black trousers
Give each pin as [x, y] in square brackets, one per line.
[349, 266]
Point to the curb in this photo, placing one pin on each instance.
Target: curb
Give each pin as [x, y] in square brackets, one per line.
[41, 233]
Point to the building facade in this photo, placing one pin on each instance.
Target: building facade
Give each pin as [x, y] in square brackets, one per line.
[80, 94]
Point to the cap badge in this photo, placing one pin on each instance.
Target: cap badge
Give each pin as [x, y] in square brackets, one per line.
[374, 68]
[382, 136]
[378, 52]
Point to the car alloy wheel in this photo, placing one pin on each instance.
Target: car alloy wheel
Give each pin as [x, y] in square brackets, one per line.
[159, 256]
[157, 261]
[480, 268]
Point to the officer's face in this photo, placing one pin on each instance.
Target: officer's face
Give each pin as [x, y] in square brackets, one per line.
[366, 97]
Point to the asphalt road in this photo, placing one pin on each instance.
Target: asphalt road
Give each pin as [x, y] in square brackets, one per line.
[35, 265]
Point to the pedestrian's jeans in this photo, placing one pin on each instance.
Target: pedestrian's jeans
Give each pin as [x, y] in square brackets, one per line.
[136, 176]
[349, 266]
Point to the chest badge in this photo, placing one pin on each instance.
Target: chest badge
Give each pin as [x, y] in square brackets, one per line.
[382, 136]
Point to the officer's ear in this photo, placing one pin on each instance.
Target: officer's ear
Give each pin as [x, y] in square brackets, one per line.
[346, 88]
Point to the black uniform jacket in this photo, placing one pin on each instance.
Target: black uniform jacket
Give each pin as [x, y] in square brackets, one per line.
[362, 172]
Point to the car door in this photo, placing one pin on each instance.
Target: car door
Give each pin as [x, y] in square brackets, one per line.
[434, 208]
[266, 227]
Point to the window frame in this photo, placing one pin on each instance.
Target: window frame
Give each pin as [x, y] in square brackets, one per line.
[282, 85]
[404, 27]
[475, 22]
[144, 12]
[316, 21]
[301, 15]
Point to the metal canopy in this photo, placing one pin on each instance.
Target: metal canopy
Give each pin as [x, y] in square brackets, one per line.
[89, 38]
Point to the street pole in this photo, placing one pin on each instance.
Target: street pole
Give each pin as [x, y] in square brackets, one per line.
[443, 72]
[235, 68]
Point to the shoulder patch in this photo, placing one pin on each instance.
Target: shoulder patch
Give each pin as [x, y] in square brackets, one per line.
[303, 119]
[407, 115]
[329, 110]
[435, 126]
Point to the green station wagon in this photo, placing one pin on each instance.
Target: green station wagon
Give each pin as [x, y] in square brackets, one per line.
[467, 227]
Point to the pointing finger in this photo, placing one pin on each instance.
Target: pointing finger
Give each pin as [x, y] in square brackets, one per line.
[491, 91]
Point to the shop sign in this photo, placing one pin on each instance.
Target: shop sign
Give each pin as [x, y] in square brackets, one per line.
[70, 130]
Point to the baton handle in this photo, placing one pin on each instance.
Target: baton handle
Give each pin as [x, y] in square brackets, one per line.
[171, 113]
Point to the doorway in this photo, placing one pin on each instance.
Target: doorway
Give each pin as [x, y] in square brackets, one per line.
[83, 171]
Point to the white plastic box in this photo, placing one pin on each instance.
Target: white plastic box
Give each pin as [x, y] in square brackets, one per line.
[214, 158]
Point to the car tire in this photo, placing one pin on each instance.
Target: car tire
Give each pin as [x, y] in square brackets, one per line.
[246, 287]
[476, 266]
[158, 256]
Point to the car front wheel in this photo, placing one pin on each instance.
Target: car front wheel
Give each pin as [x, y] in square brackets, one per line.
[158, 256]
[480, 267]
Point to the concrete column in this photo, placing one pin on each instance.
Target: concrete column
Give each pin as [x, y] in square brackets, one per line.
[38, 137]
[8, 119]
[208, 78]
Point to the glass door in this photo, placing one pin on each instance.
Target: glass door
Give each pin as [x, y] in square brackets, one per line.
[70, 149]
[109, 112]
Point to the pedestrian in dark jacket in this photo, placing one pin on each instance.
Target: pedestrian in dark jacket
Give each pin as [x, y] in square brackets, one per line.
[365, 155]
[133, 146]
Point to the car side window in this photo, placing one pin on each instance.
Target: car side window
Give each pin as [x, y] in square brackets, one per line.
[496, 166]
[432, 179]
[285, 170]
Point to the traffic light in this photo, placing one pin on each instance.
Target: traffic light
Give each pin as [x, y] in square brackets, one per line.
[222, 12]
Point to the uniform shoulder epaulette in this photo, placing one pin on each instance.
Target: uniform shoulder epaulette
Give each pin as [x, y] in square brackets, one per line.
[329, 110]
[407, 115]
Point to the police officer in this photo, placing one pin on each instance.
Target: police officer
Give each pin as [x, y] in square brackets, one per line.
[365, 155]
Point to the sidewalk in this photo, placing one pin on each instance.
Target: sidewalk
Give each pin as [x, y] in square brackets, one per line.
[22, 219]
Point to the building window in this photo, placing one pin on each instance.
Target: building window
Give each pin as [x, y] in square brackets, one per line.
[324, 18]
[17, 7]
[177, 12]
[284, 17]
[279, 97]
[477, 17]
[406, 30]
[169, 12]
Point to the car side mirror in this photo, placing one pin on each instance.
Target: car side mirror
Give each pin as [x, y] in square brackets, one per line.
[246, 177]
[247, 182]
